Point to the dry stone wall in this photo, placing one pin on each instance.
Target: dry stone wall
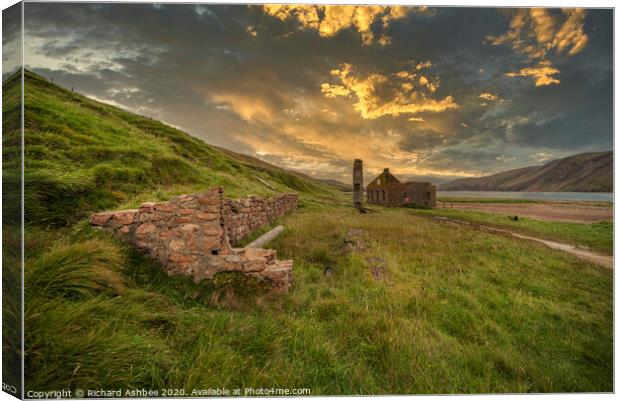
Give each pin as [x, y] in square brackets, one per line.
[242, 216]
[189, 235]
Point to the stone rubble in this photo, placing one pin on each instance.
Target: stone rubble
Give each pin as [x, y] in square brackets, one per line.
[190, 235]
[354, 240]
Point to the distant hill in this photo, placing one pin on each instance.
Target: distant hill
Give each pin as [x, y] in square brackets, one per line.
[264, 166]
[337, 184]
[585, 172]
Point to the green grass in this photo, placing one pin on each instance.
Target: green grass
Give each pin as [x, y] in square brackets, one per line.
[476, 313]
[455, 310]
[596, 236]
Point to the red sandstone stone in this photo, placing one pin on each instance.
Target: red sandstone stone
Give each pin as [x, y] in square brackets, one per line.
[186, 212]
[183, 220]
[166, 234]
[268, 254]
[207, 216]
[176, 245]
[100, 219]
[147, 207]
[255, 264]
[124, 229]
[213, 230]
[145, 228]
[211, 243]
[164, 207]
[275, 273]
[180, 258]
[209, 198]
[190, 227]
[125, 217]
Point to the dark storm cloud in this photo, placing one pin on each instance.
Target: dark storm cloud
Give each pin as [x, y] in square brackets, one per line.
[269, 86]
[11, 39]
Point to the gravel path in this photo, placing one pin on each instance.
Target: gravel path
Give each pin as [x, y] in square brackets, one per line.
[593, 257]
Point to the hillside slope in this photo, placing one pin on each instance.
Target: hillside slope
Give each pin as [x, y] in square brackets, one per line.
[585, 172]
[101, 315]
[82, 156]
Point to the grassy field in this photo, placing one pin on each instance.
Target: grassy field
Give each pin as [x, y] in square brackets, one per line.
[596, 236]
[476, 313]
[426, 308]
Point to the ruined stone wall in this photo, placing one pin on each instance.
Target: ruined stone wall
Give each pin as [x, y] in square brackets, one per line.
[421, 193]
[189, 235]
[433, 200]
[242, 216]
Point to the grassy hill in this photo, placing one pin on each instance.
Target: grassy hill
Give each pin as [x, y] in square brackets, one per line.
[425, 308]
[585, 172]
[82, 155]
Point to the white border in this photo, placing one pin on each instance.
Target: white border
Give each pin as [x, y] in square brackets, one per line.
[453, 3]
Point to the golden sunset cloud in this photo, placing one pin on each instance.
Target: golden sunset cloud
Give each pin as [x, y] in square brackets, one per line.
[248, 108]
[329, 20]
[542, 73]
[536, 33]
[377, 96]
[488, 96]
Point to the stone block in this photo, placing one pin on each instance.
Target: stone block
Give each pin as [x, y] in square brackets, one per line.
[268, 254]
[211, 243]
[256, 264]
[190, 227]
[207, 216]
[100, 219]
[147, 207]
[125, 216]
[166, 234]
[145, 228]
[176, 246]
[180, 258]
[164, 207]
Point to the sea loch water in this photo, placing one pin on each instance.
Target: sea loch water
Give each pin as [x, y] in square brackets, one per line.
[564, 196]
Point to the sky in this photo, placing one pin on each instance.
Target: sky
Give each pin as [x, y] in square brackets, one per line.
[432, 93]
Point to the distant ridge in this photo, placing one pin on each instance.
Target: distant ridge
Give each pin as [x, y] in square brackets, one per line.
[584, 172]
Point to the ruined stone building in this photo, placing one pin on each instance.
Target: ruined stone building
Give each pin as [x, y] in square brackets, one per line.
[387, 190]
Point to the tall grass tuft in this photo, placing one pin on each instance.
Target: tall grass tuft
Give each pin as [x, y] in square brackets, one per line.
[75, 271]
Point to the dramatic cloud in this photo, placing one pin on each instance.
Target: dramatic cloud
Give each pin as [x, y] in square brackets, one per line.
[543, 74]
[11, 40]
[329, 20]
[377, 95]
[488, 96]
[310, 88]
[537, 33]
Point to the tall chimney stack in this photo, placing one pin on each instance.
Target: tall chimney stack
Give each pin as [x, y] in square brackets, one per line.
[358, 184]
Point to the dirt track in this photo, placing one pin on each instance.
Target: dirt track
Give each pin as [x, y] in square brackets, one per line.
[551, 211]
[593, 257]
